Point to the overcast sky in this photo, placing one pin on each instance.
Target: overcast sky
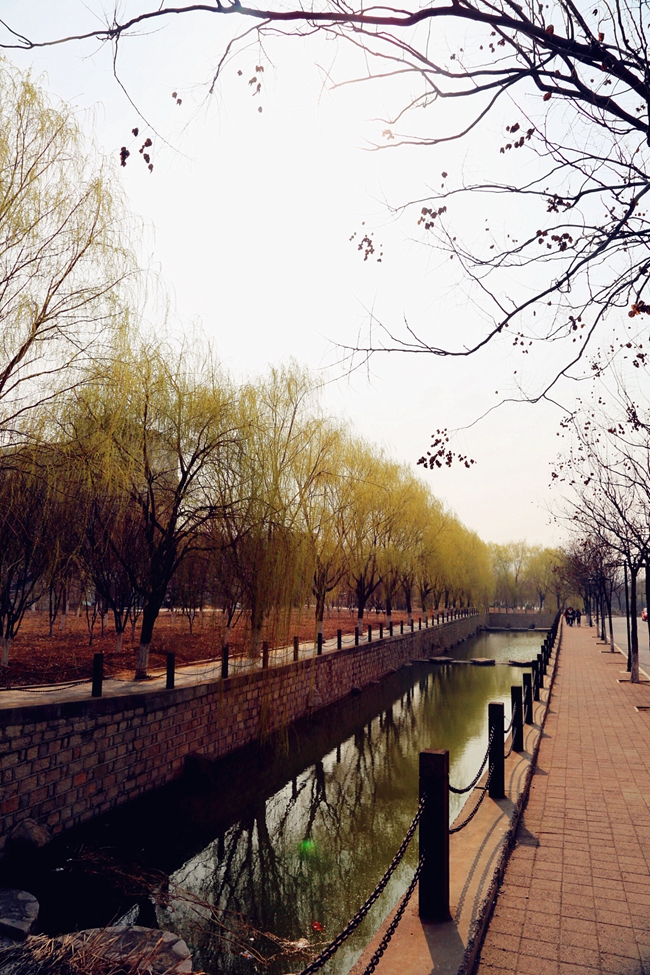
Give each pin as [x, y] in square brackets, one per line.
[248, 217]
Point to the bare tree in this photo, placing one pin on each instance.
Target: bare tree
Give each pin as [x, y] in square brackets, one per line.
[607, 472]
[563, 87]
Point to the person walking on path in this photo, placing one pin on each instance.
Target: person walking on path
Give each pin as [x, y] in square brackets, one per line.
[576, 891]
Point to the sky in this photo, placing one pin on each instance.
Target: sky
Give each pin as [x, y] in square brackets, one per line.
[247, 220]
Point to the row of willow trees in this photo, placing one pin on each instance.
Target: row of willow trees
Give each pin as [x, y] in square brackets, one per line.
[159, 477]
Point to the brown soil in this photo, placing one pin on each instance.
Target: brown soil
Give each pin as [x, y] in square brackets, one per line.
[38, 658]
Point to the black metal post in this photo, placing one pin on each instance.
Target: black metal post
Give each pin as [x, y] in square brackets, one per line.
[296, 647]
[356, 636]
[224, 661]
[390, 627]
[419, 622]
[412, 625]
[434, 835]
[535, 680]
[339, 639]
[98, 674]
[528, 699]
[381, 631]
[540, 670]
[401, 626]
[171, 667]
[369, 632]
[496, 760]
[517, 718]
[319, 642]
[265, 654]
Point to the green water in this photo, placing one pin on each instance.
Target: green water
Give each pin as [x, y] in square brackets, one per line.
[310, 849]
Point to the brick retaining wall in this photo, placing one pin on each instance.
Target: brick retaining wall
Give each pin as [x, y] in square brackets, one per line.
[62, 764]
[520, 621]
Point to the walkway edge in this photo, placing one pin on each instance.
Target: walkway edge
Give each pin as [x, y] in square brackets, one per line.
[484, 914]
[479, 855]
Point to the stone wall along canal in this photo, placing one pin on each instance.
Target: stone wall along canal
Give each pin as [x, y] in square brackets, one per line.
[293, 834]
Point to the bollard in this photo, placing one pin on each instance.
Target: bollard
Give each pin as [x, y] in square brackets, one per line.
[296, 647]
[390, 628]
[319, 642]
[171, 667]
[381, 631]
[224, 661]
[542, 659]
[265, 654]
[528, 699]
[419, 622]
[535, 680]
[540, 670]
[401, 626]
[496, 760]
[339, 639]
[434, 835]
[517, 719]
[98, 674]
[426, 622]
[356, 636]
[369, 632]
[412, 625]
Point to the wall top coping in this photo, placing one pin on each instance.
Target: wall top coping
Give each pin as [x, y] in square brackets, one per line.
[158, 699]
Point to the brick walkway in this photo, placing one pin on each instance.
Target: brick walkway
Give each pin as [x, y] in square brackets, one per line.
[575, 899]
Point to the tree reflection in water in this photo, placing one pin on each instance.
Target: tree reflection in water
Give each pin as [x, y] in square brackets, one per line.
[314, 849]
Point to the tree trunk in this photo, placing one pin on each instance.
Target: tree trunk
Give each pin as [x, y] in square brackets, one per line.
[149, 617]
[611, 623]
[6, 646]
[142, 661]
[634, 634]
[256, 641]
[119, 641]
[320, 613]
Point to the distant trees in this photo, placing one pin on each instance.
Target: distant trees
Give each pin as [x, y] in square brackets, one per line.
[524, 575]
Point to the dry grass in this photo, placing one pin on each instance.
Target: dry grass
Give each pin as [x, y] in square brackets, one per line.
[38, 658]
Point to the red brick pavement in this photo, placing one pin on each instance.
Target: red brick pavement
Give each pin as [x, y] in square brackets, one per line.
[575, 899]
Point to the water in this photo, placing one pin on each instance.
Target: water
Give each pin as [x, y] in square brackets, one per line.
[294, 836]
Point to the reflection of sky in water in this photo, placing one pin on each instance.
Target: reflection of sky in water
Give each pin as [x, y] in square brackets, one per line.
[313, 851]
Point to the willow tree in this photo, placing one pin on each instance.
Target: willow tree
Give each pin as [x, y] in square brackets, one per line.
[63, 260]
[262, 493]
[367, 521]
[323, 511]
[430, 552]
[156, 426]
[29, 509]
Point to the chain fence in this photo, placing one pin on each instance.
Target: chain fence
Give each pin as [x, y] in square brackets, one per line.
[468, 788]
[392, 927]
[484, 792]
[363, 911]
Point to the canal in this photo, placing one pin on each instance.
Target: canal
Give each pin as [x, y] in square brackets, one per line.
[256, 855]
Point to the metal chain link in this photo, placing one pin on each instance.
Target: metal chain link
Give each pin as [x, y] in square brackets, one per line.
[459, 792]
[392, 927]
[333, 947]
[509, 752]
[476, 808]
[507, 730]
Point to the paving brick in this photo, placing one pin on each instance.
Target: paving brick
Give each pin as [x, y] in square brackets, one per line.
[589, 808]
